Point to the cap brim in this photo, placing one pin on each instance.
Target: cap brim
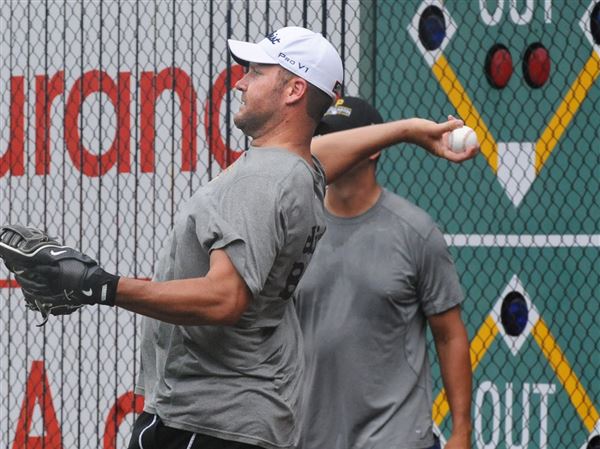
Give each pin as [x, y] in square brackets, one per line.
[247, 52]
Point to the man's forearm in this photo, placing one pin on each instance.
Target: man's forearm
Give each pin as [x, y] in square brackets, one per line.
[457, 379]
[452, 346]
[362, 142]
[220, 297]
[339, 151]
[186, 301]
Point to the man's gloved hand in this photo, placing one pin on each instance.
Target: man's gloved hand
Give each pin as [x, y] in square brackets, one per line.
[55, 279]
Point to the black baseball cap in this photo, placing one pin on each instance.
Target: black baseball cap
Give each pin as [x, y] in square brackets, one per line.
[348, 113]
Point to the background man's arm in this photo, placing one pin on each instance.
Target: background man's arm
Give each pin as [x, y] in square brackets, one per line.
[452, 347]
[220, 297]
[339, 151]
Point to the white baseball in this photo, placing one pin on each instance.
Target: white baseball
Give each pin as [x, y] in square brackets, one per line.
[462, 138]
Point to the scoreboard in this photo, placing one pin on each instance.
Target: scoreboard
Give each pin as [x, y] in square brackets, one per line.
[523, 221]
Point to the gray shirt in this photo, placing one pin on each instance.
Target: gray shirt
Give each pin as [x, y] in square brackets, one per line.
[239, 382]
[362, 306]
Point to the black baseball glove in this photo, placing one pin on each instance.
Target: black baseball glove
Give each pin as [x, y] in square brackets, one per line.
[55, 279]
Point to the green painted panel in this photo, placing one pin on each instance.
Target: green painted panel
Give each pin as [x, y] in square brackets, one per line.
[560, 274]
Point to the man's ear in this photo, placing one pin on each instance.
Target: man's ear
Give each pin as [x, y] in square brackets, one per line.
[295, 90]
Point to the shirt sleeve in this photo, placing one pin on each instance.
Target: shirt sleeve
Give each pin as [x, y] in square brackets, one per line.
[438, 285]
[251, 209]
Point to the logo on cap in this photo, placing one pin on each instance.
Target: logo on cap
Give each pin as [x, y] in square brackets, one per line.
[339, 109]
[274, 38]
[290, 61]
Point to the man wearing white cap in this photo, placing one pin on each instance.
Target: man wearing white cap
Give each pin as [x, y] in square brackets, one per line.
[242, 243]
[221, 352]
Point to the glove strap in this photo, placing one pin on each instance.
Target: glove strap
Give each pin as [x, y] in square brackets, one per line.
[99, 287]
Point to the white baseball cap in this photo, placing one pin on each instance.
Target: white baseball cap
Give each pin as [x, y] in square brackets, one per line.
[303, 52]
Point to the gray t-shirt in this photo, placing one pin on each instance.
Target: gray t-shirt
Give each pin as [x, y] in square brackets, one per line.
[239, 382]
[362, 306]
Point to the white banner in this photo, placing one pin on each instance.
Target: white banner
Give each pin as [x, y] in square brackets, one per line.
[111, 114]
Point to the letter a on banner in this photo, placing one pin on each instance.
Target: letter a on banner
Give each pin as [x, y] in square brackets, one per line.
[38, 392]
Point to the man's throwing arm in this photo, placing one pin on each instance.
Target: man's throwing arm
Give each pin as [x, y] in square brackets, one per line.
[340, 151]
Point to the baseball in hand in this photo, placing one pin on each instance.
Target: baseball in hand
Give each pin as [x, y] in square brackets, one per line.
[462, 138]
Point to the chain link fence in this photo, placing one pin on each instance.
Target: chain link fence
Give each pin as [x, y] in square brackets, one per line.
[112, 113]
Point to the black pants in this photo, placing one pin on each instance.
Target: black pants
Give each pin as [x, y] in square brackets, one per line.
[149, 432]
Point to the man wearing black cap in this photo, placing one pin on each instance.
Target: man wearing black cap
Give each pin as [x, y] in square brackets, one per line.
[380, 272]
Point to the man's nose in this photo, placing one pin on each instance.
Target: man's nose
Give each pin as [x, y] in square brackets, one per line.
[241, 83]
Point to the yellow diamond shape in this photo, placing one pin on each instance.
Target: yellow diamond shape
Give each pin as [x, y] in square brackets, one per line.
[482, 341]
[515, 164]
